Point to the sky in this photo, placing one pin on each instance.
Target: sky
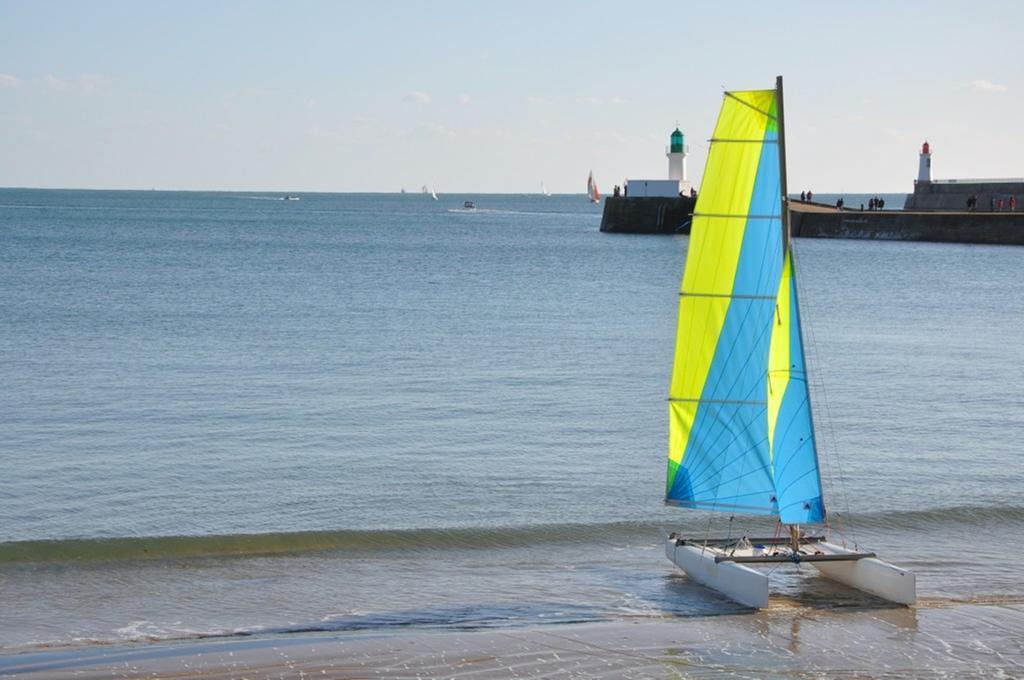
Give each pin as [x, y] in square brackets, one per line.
[495, 97]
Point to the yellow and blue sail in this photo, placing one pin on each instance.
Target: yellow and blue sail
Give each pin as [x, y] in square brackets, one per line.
[740, 432]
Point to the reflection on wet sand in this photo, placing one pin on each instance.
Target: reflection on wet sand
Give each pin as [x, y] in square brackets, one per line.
[784, 641]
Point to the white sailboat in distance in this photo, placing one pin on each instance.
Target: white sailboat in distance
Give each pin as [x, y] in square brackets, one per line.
[593, 193]
[741, 436]
[544, 190]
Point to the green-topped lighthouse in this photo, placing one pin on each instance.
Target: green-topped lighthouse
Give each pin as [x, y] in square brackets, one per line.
[677, 159]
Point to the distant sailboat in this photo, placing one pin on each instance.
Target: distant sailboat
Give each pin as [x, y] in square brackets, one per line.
[544, 190]
[741, 437]
[593, 193]
[433, 194]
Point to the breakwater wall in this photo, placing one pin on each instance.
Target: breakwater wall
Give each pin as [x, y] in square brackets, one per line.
[898, 225]
[952, 194]
[643, 215]
[815, 220]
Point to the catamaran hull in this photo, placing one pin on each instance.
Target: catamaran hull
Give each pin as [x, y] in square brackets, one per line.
[725, 570]
[870, 575]
[735, 581]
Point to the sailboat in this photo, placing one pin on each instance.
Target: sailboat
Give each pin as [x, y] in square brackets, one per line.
[741, 435]
[593, 193]
[433, 194]
[544, 190]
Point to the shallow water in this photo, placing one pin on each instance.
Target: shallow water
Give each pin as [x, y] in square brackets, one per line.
[367, 411]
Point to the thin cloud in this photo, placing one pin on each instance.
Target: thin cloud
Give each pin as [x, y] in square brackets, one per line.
[432, 131]
[989, 86]
[599, 101]
[254, 92]
[83, 84]
[9, 81]
[55, 83]
[418, 98]
[89, 83]
[463, 99]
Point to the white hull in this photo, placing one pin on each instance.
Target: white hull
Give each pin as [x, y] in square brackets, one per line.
[749, 587]
[871, 575]
[737, 582]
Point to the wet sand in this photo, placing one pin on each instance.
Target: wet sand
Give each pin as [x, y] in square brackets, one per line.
[936, 639]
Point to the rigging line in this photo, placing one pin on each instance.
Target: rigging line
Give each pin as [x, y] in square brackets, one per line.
[788, 486]
[697, 241]
[703, 239]
[703, 476]
[833, 452]
[700, 476]
[701, 253]
[783, 435]
[781, 471]
[730, 424]
[727, 425]
[761, 315]
[751, 106]
[766, 243]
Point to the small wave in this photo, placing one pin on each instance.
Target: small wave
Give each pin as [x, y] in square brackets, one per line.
[990, 600]
[343, 541]
[540, 213]
[961, 515]
[181, 547]
[467, 617]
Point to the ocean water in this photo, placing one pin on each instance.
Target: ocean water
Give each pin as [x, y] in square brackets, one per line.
[224, 413]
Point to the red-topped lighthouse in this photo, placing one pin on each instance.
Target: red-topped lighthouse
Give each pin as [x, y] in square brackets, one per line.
[924, 168]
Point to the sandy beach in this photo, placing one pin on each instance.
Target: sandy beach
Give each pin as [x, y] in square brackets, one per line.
[935, 639]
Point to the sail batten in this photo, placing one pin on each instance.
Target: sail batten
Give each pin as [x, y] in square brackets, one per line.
[740, 434]
[737, 296]
[723, 140]
[744, 102]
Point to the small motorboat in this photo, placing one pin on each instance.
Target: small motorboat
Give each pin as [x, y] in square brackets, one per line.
[469, 205]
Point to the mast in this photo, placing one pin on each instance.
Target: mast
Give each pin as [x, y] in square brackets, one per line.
[794, 529]
[786, 245]
[782, 165]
